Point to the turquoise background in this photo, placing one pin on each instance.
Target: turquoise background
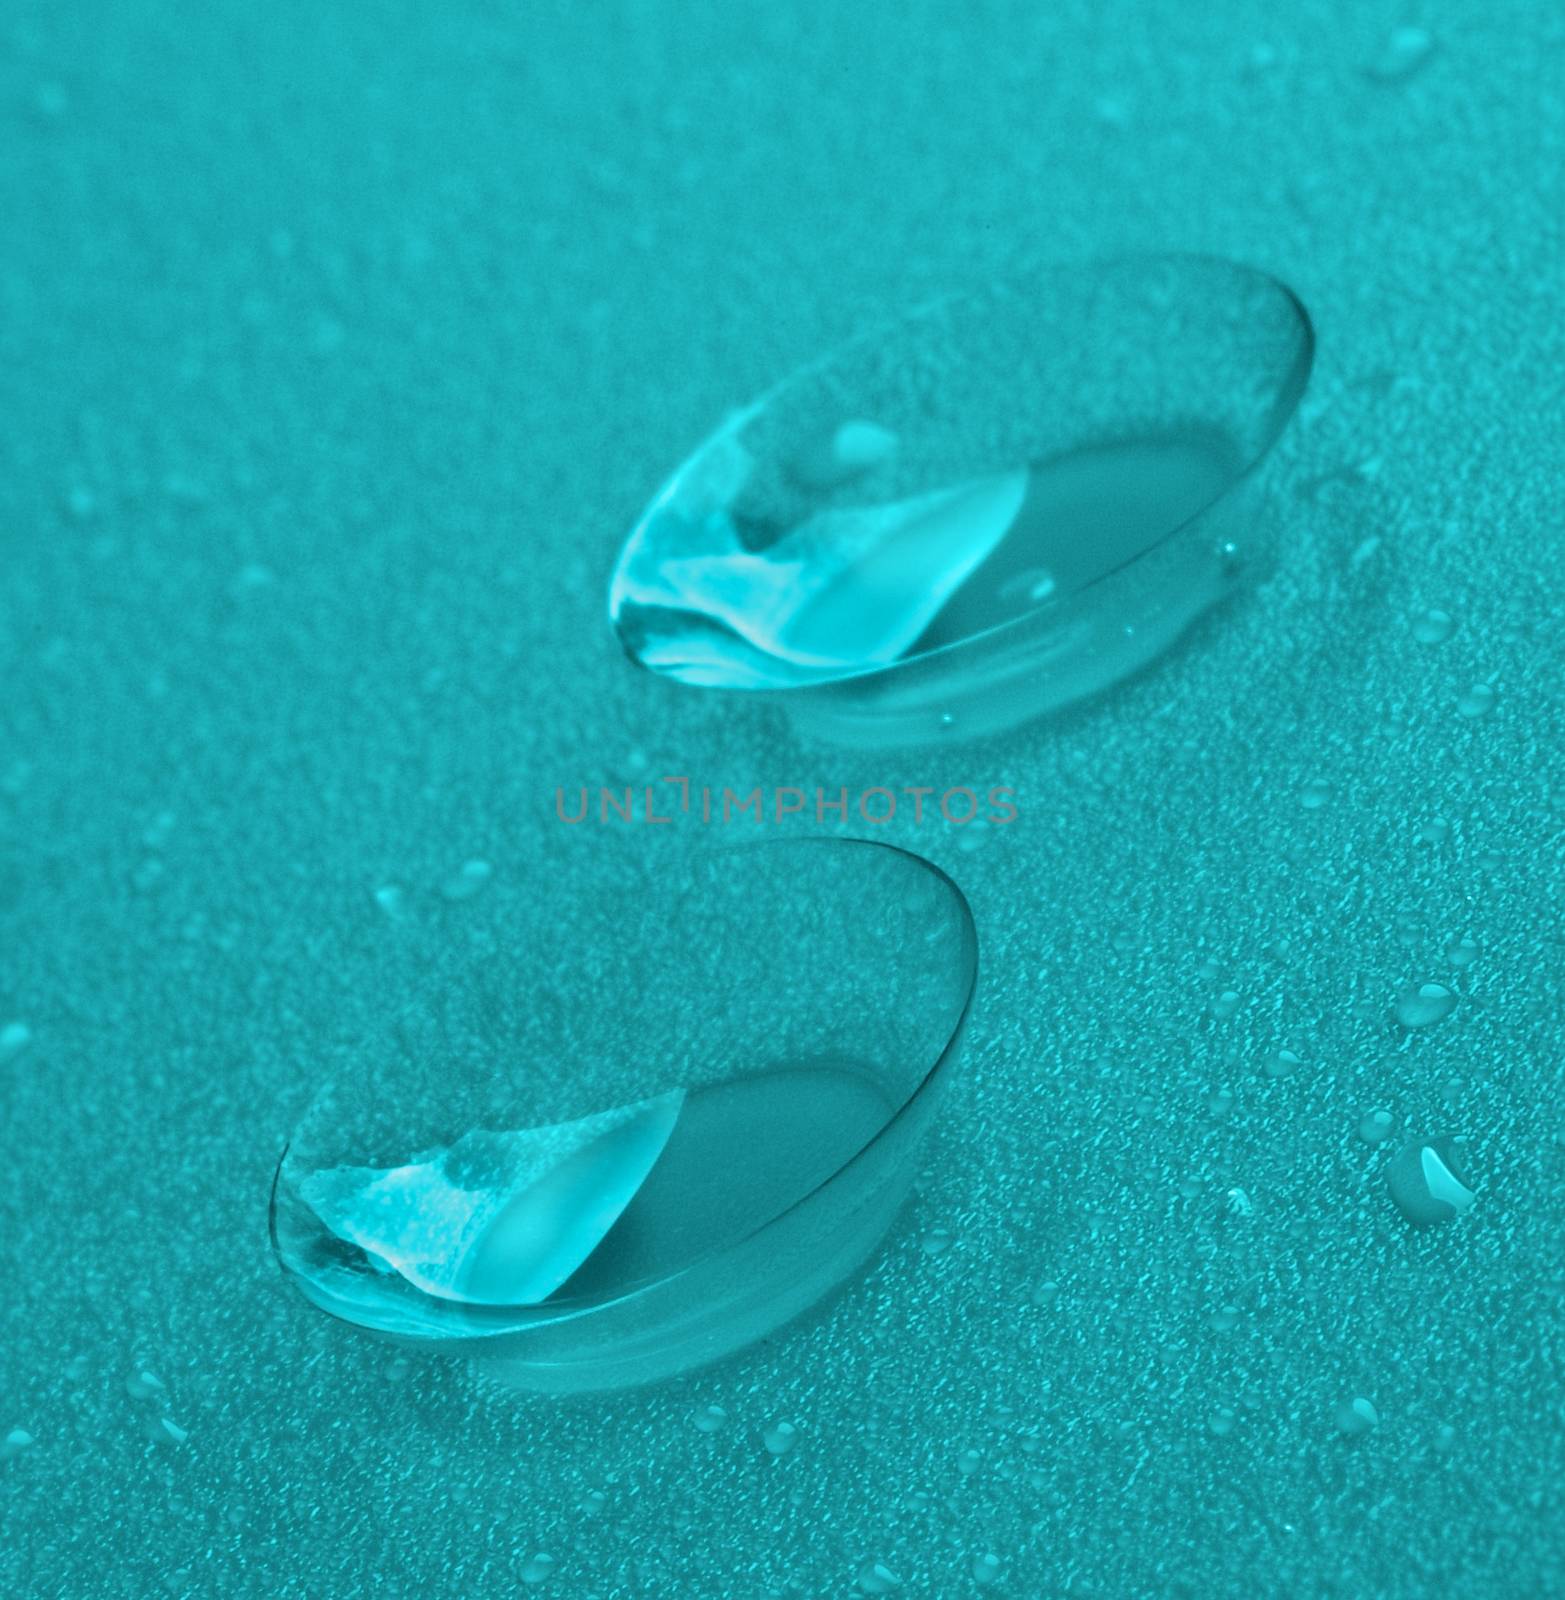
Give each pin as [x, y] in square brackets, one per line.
[341, 345]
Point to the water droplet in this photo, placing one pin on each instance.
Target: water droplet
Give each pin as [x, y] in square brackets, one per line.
[147, 876]
[14, 1038]
[780, 1438]
[1428, 1003]
[156, 833]
[986, 1569]
[1427, 1182]
[81, 502]
[540, 1567]
[16, 1441]
[1436, 831]
[937, 1241]
[393, 900]
[969, 1462]
[1315, 794]
[584, 1193]
[467, 880]
[251, 578]
[1462, 952]
[1433, 626]
[1225, 1319]
[1031, 585]
[144, 1386]
[1046, 1293]
[1478, 701]
[1376, 1126]
[1009, 501]
[711, 1419]
[1221, 1422]
[164, 1430]
[848, 453]
[973, 836]
[1401, 54]
[1220, 1102]
[1357, 1417]
[1226, 1004]
[1282, 1064]
[877, 1578]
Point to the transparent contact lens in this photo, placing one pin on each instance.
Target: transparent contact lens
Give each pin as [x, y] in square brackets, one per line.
[1005, 502]
[597, 1162]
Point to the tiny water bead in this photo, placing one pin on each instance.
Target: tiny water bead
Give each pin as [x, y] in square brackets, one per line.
[1428, 1182]
[467, 880]
[1400, 54]
[15, 1442]
[1434, 832]
[1478, 701]
[1357, 1417]
[1424, 1005]
[582, 1190]
[875, 1577]
[1376, 1127]
[145, 1386]
[1008, 501]
[1282, 1064]
[538, 1568]
[1433, 626]
[780, 1438]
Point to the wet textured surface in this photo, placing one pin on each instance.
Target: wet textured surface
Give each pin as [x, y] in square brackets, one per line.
[339, 357]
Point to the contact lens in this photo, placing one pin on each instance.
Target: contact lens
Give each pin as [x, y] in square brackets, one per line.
[1005, 502]
[596, 1161]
